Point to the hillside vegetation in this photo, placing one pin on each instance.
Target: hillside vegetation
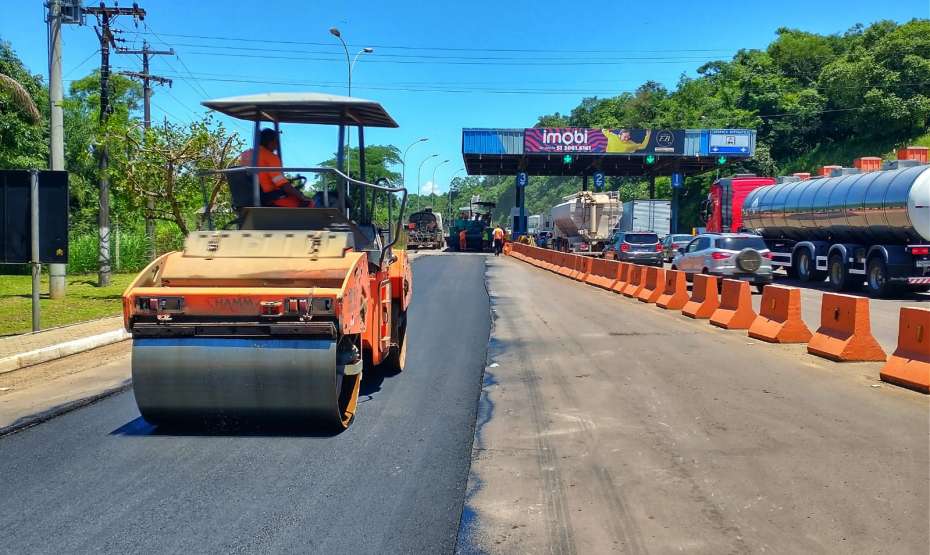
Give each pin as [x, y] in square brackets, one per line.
[814, 100]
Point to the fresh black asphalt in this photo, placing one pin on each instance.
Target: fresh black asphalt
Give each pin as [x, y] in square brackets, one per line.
[100, 479]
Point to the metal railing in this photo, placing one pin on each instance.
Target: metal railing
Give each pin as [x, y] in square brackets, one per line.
[381, 185]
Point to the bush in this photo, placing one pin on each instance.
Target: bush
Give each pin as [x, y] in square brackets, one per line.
[133, 249]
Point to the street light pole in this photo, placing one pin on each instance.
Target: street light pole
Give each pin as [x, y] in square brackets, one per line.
[431, 156]
[403, 160]
[350, 63]
[451, 178]
[433, 181]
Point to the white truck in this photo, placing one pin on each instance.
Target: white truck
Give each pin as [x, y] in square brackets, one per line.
[647, 215]
[584, 220]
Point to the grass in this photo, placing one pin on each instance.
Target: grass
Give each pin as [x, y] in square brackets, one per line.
[84, 301]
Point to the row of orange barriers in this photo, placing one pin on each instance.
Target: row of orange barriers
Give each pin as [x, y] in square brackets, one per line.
[844, 334]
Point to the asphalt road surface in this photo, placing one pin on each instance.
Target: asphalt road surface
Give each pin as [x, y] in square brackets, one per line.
[608, 425]
[100, 479]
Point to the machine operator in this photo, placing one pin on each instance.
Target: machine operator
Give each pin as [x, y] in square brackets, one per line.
[277, 190]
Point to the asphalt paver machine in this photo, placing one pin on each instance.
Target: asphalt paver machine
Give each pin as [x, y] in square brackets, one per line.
[277, 316]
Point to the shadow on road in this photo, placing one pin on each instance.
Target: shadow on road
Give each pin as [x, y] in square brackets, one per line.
[226, 428]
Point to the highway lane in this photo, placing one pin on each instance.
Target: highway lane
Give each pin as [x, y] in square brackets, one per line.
[101, 479]
[608, 425]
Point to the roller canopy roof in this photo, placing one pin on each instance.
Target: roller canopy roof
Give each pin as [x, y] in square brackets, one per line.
[315, 108]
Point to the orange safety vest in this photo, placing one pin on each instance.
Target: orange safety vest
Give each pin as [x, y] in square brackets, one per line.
[498, 234]
[269, 181]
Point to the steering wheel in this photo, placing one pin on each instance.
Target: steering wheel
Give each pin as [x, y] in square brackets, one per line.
[298, 181]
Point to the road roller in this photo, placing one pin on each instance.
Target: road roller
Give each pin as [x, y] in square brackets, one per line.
[276, 314]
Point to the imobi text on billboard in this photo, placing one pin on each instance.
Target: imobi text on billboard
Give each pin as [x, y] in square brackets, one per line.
[602, 141]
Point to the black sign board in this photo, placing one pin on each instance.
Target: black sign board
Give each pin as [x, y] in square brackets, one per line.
[15, 217]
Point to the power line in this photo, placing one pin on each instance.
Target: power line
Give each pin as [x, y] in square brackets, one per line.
[571, 63]
[447, 48]
[84, 61]
[691, 57]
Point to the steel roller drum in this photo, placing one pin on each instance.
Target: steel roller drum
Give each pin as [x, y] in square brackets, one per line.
[877, 207]
[293, 381]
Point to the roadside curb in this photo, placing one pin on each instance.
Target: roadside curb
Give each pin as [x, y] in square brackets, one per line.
[54, 352]
[48, 414]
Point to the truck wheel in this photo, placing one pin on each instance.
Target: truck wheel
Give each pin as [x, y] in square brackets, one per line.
[876, 282]
[805, 268]
[840, 279]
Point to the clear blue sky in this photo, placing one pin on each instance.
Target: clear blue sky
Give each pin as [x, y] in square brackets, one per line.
[437, 66]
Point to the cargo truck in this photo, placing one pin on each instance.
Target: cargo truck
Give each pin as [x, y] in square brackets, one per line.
[647, 215]
[853, 228]
[584, 220]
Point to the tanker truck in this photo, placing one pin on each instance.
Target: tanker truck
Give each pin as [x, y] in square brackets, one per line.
[853, 228]
[583, 221]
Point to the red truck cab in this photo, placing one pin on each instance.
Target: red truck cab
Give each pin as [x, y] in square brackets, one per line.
[723, 209]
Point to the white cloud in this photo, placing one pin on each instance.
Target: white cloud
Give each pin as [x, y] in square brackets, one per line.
[429, 188]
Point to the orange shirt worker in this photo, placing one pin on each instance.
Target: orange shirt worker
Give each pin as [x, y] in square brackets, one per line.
[276, 189]
[463, 240]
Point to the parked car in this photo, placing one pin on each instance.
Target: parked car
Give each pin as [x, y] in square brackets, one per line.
[673, 242]
[730, 255]
[642, 247]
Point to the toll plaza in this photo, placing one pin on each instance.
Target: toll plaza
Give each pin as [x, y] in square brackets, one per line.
[596, 154]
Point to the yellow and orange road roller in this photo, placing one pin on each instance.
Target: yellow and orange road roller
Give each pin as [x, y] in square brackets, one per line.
[276, 315]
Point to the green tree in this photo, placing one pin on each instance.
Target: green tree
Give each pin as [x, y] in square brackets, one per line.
[163, 163]
[23, 114]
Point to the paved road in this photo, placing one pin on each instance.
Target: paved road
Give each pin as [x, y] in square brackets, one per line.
[607, 425]
[100, 479]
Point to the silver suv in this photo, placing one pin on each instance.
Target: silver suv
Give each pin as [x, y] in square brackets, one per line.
[730, 255]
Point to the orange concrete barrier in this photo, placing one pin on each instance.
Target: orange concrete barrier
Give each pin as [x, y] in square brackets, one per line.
[704, 299]
[635, 281]
[845, 333]
[654, 285]
[508, 247]
[779, 319]
[909, 365]
[735, 311]
[675, 291]
[549, 260]
[582, 267]
[603, 273]
[623, 277]
[565, 264]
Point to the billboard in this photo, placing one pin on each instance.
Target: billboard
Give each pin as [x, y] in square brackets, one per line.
[579, 140]
[16, 217]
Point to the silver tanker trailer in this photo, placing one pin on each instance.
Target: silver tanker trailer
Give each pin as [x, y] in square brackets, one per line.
[871, 228]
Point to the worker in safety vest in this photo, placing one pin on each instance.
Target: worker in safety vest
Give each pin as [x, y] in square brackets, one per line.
[463, 240]
[498, 237]
[276, 190]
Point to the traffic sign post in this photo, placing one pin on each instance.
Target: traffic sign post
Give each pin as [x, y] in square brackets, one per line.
[599, 181]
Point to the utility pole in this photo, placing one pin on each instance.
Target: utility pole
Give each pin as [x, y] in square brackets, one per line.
[147, 79]
[105, 15]
[56, 158]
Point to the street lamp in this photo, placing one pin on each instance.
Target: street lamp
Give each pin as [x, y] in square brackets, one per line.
[433, 181]
[350, 63]
[451, 179]
[431, 156]
[335, 32]
[403, 160]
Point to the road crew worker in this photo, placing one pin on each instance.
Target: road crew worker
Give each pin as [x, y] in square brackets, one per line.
[463, 240]
[277, 190]
[498, 236]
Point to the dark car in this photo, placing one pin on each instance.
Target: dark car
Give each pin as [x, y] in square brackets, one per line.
[673, 242]
[642, 247]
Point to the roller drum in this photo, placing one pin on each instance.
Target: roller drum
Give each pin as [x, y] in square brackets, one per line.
[293, 381]
[877, 207]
